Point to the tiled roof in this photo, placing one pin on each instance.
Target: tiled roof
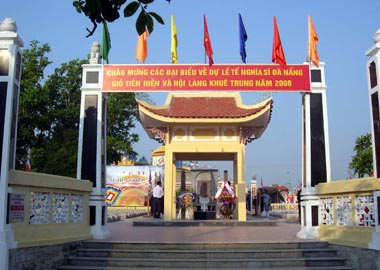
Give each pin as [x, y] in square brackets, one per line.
[204, 107]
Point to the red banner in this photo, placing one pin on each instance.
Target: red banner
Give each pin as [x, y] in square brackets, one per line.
[166, 78]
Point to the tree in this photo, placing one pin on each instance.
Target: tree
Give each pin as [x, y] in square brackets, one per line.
[32, 113]
[121, 116]
[361, 162]
[99, 11]
[48, 117]
[58, 155]
[48, 122]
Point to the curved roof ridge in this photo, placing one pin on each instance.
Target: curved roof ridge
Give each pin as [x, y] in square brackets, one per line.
[229, 105]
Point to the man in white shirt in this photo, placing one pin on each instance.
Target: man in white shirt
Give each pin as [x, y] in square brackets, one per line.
[157, 200]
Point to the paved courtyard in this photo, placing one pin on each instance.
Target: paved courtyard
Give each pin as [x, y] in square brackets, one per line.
[280, 230]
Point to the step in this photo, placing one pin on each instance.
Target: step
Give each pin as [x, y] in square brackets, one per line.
[79, 267]
[215, 254]
[202, 246]
[206, 263]
[212, 256]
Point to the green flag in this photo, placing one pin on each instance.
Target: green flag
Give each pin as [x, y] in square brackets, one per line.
[106, 42]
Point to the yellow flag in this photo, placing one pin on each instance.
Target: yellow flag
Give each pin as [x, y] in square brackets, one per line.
[174, 42]
[142, 47]
[312, 43]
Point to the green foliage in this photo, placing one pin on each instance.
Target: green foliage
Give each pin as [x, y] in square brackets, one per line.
[48, 119]
[32, 115]
[361, 162]
[121, 116]
[109, 10]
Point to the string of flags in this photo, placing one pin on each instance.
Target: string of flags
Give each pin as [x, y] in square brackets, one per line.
[278, 55]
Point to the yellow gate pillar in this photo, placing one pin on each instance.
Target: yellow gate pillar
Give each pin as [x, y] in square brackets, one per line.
[239, 177]
[169, 185]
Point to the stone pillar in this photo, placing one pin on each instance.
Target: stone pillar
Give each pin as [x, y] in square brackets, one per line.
[315, 150]
[92, 142]
[10, 76]
[373, 71]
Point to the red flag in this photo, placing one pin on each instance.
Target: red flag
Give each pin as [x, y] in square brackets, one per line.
[312, 43]
[207, 42]
[278, 55]
[261, 182]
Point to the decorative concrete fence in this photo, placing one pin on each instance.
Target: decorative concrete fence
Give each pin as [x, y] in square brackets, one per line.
[47, 209]
[349, 212]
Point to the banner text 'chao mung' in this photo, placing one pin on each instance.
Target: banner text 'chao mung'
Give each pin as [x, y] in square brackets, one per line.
[166, 78]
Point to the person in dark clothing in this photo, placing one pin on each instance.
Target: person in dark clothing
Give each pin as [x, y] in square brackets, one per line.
[248, 201]
[157, 200]
[299, 204]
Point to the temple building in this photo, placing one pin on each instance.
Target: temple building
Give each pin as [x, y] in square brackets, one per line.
[205, 127]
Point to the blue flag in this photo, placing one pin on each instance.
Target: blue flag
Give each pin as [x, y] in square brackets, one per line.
[243, 38]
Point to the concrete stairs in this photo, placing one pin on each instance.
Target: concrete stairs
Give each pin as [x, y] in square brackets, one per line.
[216, 256]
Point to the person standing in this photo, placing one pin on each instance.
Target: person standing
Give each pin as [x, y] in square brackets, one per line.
[299, 204]
[157, 200]
[267, 200]
[248, 202]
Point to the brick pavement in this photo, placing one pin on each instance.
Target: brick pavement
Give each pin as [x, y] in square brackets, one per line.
[282, 231]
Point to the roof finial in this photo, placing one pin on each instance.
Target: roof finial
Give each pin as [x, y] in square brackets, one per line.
[95, 53]
[8, 25]
[376, 36]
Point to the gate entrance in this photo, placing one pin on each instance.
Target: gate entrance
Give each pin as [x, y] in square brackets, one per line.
[204, 119]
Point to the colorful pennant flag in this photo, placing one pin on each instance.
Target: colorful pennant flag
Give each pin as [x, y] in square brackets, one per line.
[112, 193]
[106, 43]
[174, 42]
[312, 43]
[278, 55]
[207, 42]
[27, 163]
[142, 47]
[243, 38]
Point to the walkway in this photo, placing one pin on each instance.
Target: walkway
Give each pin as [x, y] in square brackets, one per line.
[280, 231]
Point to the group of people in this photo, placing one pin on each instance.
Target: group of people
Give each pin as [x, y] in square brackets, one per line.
[157, 200]
[265, 202]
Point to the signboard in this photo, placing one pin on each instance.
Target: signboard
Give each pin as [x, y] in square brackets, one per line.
[130, 185]
[16, 208]
[166, 78]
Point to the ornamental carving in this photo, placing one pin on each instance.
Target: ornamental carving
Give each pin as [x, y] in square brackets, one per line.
[326, 210]
[76, 208]
[60, 208]
[247, 134]
[365, 211]
[344, 211]
[39, 210]
[160, 134]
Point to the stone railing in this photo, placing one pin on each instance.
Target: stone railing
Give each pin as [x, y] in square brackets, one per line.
[47, 209]
[348, 212]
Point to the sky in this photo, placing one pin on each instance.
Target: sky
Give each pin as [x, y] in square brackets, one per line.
[345, 30]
